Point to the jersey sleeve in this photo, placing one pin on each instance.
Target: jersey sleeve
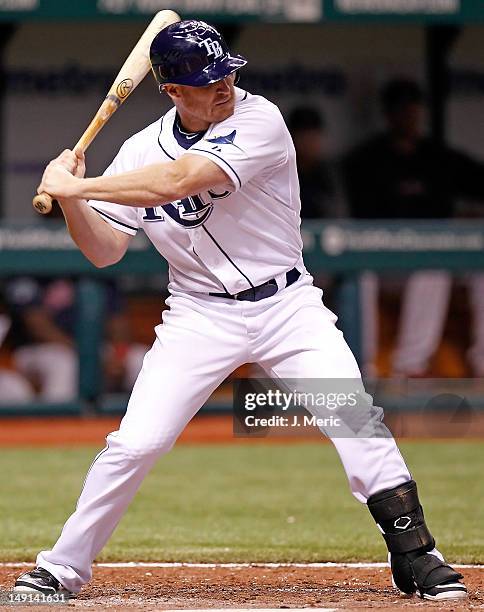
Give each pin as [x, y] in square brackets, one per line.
[252, 142]
[121, 217]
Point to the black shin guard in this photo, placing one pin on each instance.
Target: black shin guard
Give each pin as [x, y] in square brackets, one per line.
[400, 517]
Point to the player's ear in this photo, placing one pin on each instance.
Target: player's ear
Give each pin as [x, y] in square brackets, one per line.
[171, 90]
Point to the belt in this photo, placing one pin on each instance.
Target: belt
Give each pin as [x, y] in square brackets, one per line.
[254, 294]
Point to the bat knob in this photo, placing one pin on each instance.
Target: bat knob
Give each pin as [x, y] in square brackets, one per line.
[43, 203]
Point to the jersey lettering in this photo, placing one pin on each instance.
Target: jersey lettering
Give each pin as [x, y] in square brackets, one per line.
[189, 212]
[218, 196]
[151, 215]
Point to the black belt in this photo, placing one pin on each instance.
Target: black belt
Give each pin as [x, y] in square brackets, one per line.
[254, 294]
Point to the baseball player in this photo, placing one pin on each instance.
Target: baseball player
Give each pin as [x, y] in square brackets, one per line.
[213, 184]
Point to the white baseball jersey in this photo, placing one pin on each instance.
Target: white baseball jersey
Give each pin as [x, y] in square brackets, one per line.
[238, 237]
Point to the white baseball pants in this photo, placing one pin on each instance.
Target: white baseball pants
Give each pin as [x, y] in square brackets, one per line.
[202, 340]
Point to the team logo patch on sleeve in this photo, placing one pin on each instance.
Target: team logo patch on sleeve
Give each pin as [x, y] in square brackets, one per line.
[224, 140]
[229, 139]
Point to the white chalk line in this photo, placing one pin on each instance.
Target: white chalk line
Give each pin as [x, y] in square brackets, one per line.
[328, 564]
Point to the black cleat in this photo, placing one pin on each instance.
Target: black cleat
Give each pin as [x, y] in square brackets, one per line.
[447, 590]
[430, 577]
[40, 580]
[435, 579]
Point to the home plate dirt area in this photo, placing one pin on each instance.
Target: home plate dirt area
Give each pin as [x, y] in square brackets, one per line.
[242, 587]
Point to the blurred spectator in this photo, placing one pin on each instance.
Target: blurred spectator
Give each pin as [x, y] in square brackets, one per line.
[45, 338]
[122, 357]
[401, 174]
[14, 388]
[320, 195]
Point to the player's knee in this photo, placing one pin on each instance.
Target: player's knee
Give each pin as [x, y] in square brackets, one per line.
[145, 448]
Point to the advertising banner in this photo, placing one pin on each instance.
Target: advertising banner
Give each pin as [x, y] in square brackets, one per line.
[298, 11]
[264, 10]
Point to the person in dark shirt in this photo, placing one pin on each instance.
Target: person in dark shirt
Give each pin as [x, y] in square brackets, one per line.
[318, 182]
[402, 174]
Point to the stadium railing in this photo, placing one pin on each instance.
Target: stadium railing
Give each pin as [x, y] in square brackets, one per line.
[343, 249]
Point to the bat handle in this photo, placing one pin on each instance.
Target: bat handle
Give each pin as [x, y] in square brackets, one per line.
[43, 203]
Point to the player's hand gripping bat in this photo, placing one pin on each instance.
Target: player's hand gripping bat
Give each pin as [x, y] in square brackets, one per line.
[133, 71]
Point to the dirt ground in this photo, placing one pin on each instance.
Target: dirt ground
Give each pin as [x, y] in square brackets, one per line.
[250, 587]
[216, 429]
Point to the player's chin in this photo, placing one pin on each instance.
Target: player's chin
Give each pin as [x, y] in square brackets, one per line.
[223, 111]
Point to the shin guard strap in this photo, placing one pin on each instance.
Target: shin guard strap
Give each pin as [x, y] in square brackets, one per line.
[410, 540]
[430, 571]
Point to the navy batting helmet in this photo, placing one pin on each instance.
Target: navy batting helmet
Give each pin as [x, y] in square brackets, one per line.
[192, 53]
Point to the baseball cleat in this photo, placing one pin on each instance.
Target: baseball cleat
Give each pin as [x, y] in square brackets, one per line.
[438, 582]
[435, 579]
[446, 590]
[40, 580]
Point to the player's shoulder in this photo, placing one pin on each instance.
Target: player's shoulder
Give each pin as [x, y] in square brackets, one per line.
[248, 103]
[149, 134]
[256, 112]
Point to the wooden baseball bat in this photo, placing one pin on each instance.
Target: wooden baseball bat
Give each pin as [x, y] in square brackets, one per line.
[133, 71]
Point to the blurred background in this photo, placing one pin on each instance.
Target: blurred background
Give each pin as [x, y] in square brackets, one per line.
[384, 100]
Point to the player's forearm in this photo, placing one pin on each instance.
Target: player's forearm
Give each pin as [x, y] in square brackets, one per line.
[148, 186]
[98, 241]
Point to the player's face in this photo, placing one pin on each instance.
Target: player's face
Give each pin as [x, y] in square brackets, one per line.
[198, 107]
[406, 121]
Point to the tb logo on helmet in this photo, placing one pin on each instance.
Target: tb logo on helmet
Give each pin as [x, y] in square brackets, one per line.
[213, 47]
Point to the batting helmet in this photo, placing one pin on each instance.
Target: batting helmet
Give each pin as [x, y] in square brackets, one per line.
[192, 53]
